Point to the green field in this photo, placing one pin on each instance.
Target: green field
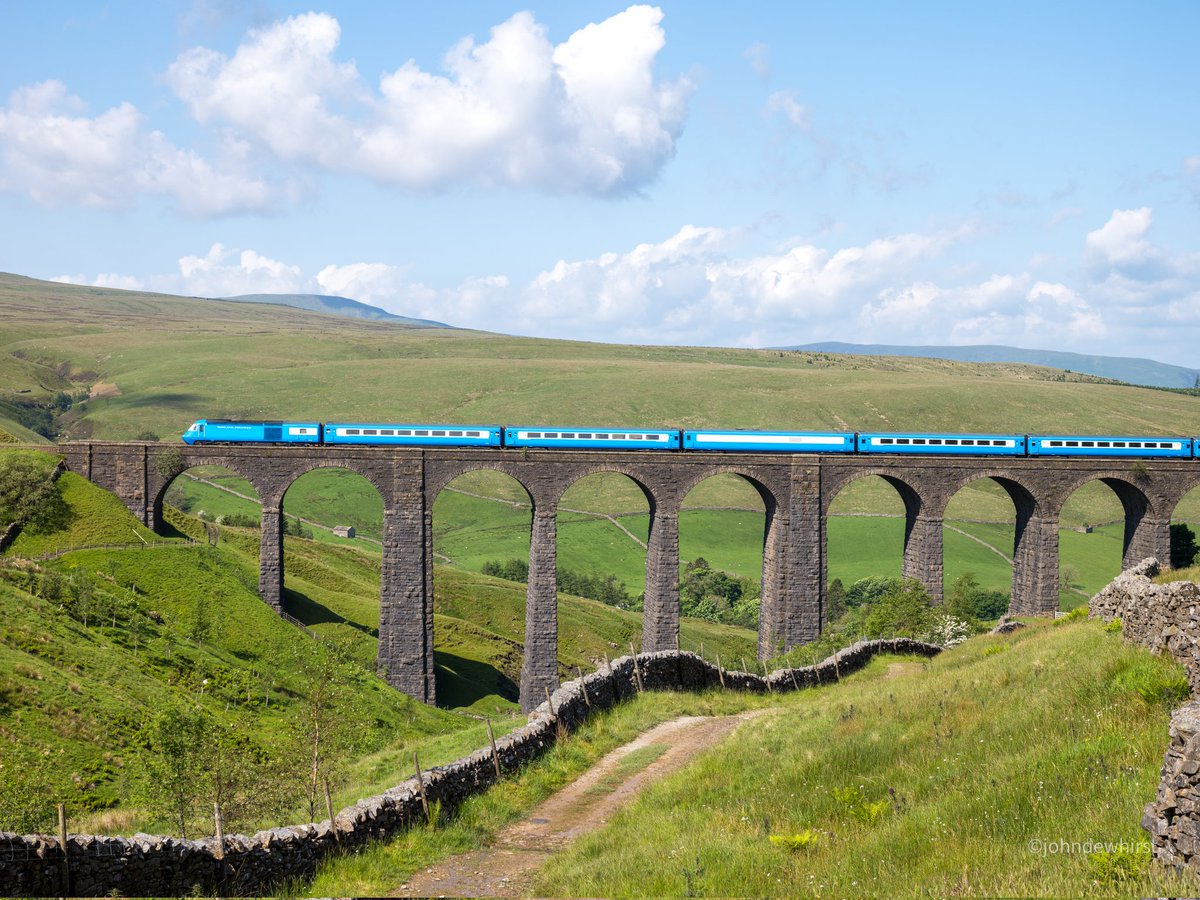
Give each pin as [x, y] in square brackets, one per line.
[914, 779]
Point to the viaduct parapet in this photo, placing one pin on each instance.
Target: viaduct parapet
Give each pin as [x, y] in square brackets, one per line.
[797, 491]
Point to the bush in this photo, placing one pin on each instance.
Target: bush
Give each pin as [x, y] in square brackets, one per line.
[905, 611]
[967, 600]
[29, 496]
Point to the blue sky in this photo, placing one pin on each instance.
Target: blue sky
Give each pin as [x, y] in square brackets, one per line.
[747, 174]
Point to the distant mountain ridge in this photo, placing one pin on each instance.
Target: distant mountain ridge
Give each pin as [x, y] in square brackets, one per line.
[1122, 368]
[338, 306]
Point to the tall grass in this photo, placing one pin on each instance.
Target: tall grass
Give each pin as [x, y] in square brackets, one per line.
[1001, 768]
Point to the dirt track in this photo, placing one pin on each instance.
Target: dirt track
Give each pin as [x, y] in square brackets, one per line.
[507, 868]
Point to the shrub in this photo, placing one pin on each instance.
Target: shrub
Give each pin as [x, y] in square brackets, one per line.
[801, 840]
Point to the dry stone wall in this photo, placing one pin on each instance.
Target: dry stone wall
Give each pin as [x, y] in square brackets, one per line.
[146, 865]
[1166, 619]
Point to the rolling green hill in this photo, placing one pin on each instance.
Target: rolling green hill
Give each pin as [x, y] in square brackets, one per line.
[155, 363]
[180, 624]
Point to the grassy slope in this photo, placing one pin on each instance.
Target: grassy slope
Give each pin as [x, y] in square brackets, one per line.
[1041, 736]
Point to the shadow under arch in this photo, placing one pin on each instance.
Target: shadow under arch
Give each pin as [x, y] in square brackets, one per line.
[480, 518]
[772, 602]
[331, 586]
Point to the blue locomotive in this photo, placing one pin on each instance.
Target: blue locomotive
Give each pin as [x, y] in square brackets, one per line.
[226, 431]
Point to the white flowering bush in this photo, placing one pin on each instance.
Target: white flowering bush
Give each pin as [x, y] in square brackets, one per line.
[948, 631]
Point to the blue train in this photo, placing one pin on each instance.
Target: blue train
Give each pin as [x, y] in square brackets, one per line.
[226, 431]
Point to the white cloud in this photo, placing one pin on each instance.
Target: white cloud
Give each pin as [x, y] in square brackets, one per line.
[785, 103]
[57, 155]
[759, 57]
[1121, 242]
[586, 115]
[1191, 165]
[1004, 309]
[366, 282]
[106, 280]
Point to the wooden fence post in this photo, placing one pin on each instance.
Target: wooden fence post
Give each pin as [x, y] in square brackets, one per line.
[583, 687]
[720, 672]
[62, 839]
[329, 809]
[219, 827]
[421, 786]
[495, 752]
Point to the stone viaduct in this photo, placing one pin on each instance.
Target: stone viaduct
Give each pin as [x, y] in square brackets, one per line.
[796, 490]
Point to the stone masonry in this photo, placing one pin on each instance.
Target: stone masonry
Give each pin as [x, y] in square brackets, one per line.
[797, 491]
[1166, 619]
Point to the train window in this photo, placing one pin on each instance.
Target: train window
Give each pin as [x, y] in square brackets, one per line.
[634, 437]
[968, 442]
[951, 442]
[567, 435]
[1103, 444]
[1118, 443]
[551, 434]
[935, 440]
[903, 441]
[420, 432]
[370, 431]
[1055, 443]
[353, 431]
[618, 437]
[1072, 443]
[1087, 444]
[455, 433]
[1135, 443]
[437, 434]
[535, 434]
[918, 440]
[387, 431]
[584, 436]
[885, 440]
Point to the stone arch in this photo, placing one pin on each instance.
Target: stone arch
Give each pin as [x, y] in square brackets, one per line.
[658, 592]
[307, 608]
[519, 507]
[1146, 526]
[161, 483]
[1025, 510]
[922, 539]
[772, 627]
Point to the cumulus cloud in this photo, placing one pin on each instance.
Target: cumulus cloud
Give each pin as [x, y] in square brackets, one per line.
[701, 285]
[1004, 309]
[57, 155]
[1138, 279]
[585, 115]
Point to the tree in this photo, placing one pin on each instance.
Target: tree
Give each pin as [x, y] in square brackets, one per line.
[869, 590]
[906, 611]
[29, 495]
[1183, 546]
[171, 785]
[835, 601]
[323, 732]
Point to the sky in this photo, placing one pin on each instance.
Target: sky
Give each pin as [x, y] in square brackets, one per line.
[751, 174]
